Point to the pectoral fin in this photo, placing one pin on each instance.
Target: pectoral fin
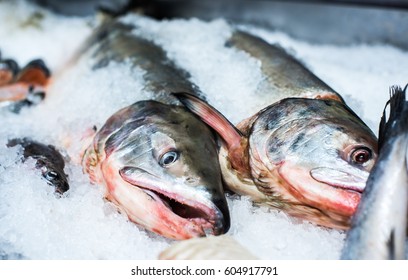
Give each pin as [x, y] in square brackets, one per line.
[235, 141]
[211, 116]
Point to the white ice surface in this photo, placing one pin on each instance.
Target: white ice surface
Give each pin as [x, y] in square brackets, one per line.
[81, 225]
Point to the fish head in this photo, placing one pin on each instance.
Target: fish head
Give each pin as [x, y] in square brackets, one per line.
[314, 153]
[160, 167]
[53, 175]
[47, 159]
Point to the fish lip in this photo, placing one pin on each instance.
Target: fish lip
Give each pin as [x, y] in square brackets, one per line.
[301, 188]
[210, 223]
[354, 183]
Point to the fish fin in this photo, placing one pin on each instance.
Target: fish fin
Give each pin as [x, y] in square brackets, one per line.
[391, 245]
[397, 120]
[235, 141]
[245, 125]
[211, 116]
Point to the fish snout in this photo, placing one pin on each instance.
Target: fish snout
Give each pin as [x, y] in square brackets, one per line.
[182, 205]
[344, 179]
[222, 217]
[61, 187]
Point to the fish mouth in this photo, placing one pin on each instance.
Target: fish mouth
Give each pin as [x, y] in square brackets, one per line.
[186, 210]
[340, 179]
[315, 188]
[189, 214]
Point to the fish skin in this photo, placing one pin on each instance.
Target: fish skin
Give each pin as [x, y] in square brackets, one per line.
[379, 226]
[279, 68]
[48, 160]
[296, 154]
[121, 44]
[183, 199]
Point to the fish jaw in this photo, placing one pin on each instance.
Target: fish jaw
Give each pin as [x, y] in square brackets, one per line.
[330, 198]
[342, 179]
[143, 202]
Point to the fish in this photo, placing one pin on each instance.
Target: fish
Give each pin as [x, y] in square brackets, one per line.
[22, 87]
[223, 247]
[47, 159]
[157, 161]
[307, 153]
[379, 226]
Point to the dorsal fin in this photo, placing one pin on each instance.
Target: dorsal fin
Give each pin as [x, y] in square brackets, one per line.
[398, 115]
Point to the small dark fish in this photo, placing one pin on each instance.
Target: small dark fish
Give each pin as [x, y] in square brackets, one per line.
[48, 160]
[379, 226]
[157, 161]
[308, 153]
[25, 87]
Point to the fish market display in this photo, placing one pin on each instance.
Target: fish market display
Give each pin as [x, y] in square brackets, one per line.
[47, 159]
[157, 160]
[222, 247]
[379, 226]
[25, 87]
[34, 224]
[307, 154]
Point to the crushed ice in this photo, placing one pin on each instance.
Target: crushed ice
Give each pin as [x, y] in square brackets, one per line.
[34, 224]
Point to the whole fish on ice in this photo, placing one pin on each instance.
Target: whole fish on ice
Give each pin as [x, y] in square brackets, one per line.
[157, 161]
[379, 226]
[308, 153]
[22, 87]
[47, 159]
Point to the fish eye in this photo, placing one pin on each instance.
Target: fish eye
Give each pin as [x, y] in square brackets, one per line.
[51, 175]
[169, 158]
[361, 155]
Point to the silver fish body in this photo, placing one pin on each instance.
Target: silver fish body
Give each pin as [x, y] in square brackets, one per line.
[379, 226]
[157, 161]
[286, 77]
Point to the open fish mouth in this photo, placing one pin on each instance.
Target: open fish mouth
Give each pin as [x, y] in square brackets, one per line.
[200, 218]
[193, 213]
[340, 179]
